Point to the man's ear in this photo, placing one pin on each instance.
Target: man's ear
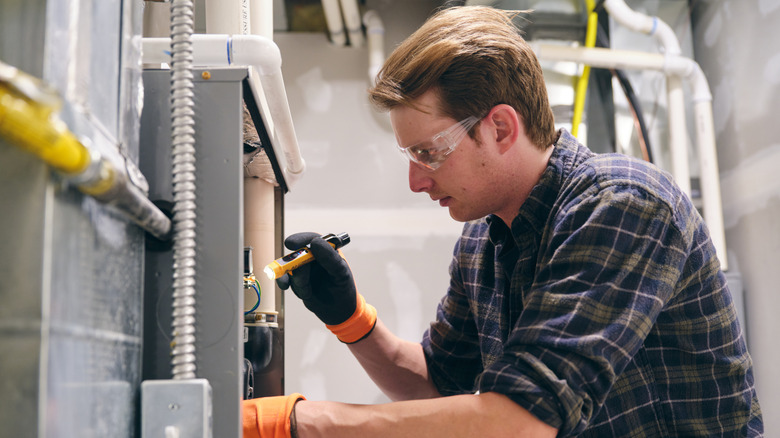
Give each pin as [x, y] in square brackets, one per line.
[506, 126]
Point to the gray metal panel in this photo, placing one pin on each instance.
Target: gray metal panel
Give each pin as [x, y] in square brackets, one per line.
[82, 56]
[22, 34]
[70, 268]
[23, 184]
[219, 181]
[95, 324]
[130, 83]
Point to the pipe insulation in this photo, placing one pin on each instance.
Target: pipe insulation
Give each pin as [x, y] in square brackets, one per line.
[671, 66]
[184, 198]
[263, 55]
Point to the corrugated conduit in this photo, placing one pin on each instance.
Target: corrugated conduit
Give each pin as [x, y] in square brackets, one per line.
[183, 153]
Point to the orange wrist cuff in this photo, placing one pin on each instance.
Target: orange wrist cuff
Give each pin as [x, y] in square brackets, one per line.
[360, 324]
[269, 417]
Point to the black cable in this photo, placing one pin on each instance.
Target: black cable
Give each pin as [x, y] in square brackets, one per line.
[628, 90]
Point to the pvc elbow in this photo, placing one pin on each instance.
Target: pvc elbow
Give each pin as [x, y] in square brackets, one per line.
[373, 22]
[257, 51]
[629, 18]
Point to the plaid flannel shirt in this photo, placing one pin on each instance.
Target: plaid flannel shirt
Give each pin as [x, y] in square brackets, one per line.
[602, 311]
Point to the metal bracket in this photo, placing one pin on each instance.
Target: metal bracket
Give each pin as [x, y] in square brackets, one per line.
[176, 409]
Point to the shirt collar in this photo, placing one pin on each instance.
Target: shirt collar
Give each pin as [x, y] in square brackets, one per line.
[566, 156]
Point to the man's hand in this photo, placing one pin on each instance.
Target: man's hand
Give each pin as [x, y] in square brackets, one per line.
[269, 417]
[325, 285]
[327, 289]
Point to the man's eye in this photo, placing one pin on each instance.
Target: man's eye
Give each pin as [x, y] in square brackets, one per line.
[423, 154]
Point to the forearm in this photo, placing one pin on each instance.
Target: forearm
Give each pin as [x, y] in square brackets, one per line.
[396, 366]
[488, 414]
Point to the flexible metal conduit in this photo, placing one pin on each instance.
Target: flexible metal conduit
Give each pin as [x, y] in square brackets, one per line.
[183, 152]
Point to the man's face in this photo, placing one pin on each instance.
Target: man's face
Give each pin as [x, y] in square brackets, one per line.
[465, 181]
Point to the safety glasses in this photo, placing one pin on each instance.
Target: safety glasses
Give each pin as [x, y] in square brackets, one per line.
[432, 153]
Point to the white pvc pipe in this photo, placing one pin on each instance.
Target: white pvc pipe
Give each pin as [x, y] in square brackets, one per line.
[599, 57]
[263, 55]
[261, 18]
[375, 33]
[710, 178]
[639, 22]
[678, 132]
[334, 21]
[223, 16]
[629, 18]
[352, 22]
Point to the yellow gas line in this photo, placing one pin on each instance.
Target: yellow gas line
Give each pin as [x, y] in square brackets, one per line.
[29, 120]
[581, 87]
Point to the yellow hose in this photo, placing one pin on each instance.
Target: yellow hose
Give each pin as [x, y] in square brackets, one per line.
[581, 88]
[33, 127]
[29, 120]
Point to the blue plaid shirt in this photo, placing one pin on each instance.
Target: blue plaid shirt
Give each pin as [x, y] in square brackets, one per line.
[602, 310]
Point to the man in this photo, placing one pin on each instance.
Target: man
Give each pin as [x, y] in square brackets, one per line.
[585, 295]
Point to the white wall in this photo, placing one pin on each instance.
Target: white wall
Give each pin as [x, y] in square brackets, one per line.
[357, 182]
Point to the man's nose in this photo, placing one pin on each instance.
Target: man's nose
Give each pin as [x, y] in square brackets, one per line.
[419, 179]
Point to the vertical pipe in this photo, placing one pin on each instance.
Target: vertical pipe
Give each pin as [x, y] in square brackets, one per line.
[352, 22]
[261, 18]
[259, 227]
[710, 178]
[259, 223]
[223, 16]
[335, 22]
[581, 88]
[375, 34]
[678, 133]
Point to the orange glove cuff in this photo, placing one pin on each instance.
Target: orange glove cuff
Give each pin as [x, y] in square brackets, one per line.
[360, 324]
[269, 417]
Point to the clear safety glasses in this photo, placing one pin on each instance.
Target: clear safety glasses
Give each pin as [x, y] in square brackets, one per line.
[432, 153]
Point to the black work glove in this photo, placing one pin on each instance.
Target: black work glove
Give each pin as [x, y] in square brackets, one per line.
[325, 285]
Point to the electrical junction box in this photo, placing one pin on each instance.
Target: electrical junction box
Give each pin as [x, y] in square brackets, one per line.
[176, 409]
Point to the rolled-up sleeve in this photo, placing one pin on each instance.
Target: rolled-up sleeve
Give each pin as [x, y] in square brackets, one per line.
[451, 344]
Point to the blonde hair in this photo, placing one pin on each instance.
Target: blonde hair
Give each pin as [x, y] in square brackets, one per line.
[474, 58]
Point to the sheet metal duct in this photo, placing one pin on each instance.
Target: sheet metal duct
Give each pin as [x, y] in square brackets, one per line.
[71, 268]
